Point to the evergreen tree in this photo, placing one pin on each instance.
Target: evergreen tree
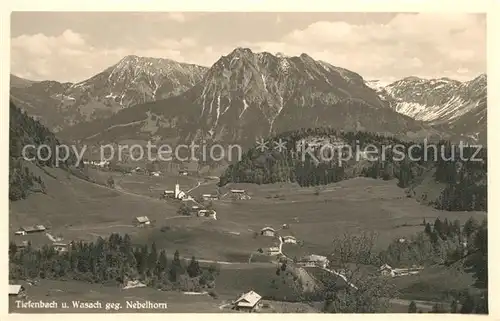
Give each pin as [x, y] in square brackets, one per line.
[438, 229]
[175, 267]
[468, 305]
[470, 227]
[193, 268]
[454, 307]
[110, 182]
[162, 263]
[428, 229]
[477, 261]
[412, 308]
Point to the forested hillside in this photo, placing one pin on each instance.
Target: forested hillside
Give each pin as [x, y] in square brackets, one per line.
[462, 181]
[24, 131]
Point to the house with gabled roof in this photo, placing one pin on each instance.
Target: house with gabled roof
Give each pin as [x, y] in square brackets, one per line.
[142, 221]
[210, 197]
[16, 290]
[248, 302]
[31, 229]
[289, 239]
[274, 250]
[314, 260]
[268, 231]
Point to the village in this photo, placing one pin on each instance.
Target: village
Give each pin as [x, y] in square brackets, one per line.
[203, 205]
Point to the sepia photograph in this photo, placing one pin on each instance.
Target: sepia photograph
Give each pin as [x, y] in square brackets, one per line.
[248, 162]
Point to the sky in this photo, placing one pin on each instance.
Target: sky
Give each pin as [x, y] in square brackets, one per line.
[74, 46]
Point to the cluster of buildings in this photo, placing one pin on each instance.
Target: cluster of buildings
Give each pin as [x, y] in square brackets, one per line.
[387, 270]
[25, 230]
[200, 211]
[194, 207]
[271, 232]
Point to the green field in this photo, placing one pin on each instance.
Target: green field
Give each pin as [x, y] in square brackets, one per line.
[80, 210]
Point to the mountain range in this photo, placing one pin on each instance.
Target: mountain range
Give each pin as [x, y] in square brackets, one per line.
[246, 95]
[458, 108]
[133, 80]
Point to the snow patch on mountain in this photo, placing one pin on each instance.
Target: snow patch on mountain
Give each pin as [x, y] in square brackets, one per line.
[433, 100]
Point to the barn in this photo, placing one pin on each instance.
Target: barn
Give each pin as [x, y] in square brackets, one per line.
[268, 231]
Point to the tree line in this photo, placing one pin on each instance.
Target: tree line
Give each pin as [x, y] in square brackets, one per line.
[114, 260]
[464, 179]
[353, 253]
[449, 244]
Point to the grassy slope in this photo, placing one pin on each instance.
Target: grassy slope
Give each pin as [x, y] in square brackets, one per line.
[434, 283]
[353, 205]
[74, 207]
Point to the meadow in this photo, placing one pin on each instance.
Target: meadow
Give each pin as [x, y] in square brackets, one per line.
[81, 210]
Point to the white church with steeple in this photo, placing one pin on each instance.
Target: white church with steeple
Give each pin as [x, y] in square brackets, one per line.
[177, 193]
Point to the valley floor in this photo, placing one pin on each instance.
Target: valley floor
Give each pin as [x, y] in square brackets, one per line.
[84, 211]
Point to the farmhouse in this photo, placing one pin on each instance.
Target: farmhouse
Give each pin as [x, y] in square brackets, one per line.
[60, 247]
[387, 270]
[101, 163]
[314, 260]
[267, 231]
[239, 194]
[30, 229]
[248, 302]
[210, 197]
[273, 251]
[208, 213]
[289, 239]
[131, 284]
[16, 290]
[142, 221]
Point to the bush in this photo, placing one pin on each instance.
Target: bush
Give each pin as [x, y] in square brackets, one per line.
[213, 294]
